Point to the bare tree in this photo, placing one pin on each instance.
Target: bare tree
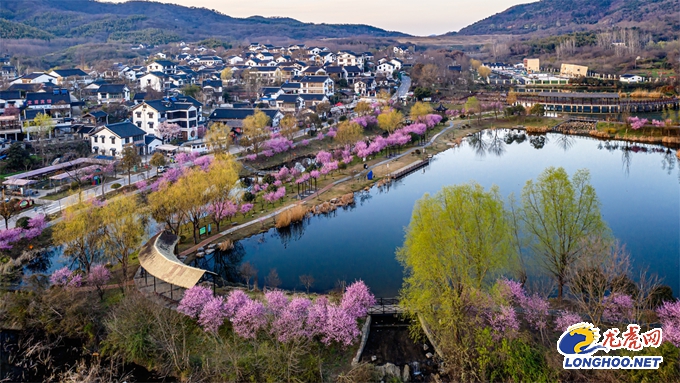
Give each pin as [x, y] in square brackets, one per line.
[307, 281]
[247, 272]
[272, 279]
[596, 273]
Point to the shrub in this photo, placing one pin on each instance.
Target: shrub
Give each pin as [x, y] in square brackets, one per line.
[248, 197]
[268, 179]
[292, 215]
[342, 118]
[611, 130]
[342, 165]
[75, 185]
[115, 186]
[22, 222]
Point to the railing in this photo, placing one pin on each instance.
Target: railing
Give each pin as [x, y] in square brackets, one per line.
[385, 306]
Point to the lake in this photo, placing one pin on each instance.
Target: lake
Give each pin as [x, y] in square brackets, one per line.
[638, 187]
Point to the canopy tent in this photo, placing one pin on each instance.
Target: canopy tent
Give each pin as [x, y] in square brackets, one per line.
[18, 182]
[82, 172]
[167, 148]
[158, 259]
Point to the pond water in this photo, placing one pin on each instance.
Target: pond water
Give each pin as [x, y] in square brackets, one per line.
[638, 186]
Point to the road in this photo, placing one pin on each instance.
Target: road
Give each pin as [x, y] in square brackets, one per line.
[403, 87]
[52, 207]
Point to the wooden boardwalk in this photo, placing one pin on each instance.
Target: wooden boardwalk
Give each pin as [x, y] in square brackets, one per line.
[408, 169]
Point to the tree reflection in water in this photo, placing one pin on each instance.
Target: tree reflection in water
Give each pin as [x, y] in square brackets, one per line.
[292, 232]
[565, 142]
[477, 142]
[538, 142]
[224, 263]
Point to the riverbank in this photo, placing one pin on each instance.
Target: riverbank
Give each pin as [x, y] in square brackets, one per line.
[350, 180]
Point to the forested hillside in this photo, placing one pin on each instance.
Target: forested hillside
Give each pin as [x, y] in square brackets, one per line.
[154, 23]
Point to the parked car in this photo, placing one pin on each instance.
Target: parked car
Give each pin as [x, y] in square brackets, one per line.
[161, 169]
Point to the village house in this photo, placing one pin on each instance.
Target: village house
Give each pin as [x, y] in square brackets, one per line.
[630, 78]
[56, 104]
[163, 66]
[71, 75]
[35, 78]
[234, 117]
[113, 93]
[110, 139]
[317, 85]
[183, 111]
[350, 58]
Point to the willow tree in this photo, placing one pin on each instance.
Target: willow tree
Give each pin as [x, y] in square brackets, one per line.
[124, 227]
[289, 126]
[458, 240]
[559, 214]
[218, 138]
[255, 131]
[80, 231]
[390, 120]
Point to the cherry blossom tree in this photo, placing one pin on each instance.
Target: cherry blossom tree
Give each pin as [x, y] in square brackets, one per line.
[235, 301]
[357, 299]
[283, 174]
[618, 308]
[98, 277]
[168, 131]
[669, 315]
[60, 277]
[213, 314]
[203, 162]
[276, 301]
[503, 323]
[291, 323]
[565, 319]
[245, 208]
[323, 157]
[340, 327]
[249, 319]
[194, 300]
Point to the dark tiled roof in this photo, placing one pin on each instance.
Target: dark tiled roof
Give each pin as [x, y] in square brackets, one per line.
[164, 62]
[352, 69]
[98, 114]
[139, 96]
[112, 88]
[239, 113]
[48, 98]
[312, 97]
[125, 129]
[291, 85]
[315, 79]
[10, 94]
[150, 138]
[70, 72]
[25, 87]
[333, 69]
[287, 98]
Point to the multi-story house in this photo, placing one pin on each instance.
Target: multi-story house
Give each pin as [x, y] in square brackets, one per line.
[56, 104]
[113, 93]
[183, 111]
[317, 85]
[350, 58]
[70, 75]
[163, 66]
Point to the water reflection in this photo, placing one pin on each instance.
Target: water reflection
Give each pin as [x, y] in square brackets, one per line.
[292, 232]
[224, 263]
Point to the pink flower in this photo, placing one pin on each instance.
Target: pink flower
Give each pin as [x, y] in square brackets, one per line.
[292, 320]
[141, 184]
[319, 136]
[60, 277]
[75, 282]
[314, 174]
[99, 275]
[566, 319]
[213, 314]
[194, 300]
[504, 323]
[304, 142]
[357, 299]
[323, 157]
[669, 315]
[203, 162]
[268, 153]
[317, 317]
[251, 157]
[618, 308]
[249, 319]
[340, 327]
[282, 174]
[276, 301]
[245, 208]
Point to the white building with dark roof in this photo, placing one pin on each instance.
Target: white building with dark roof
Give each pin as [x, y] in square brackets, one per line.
[110, 139]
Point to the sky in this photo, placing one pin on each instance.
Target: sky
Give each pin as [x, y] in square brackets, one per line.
[420, 18]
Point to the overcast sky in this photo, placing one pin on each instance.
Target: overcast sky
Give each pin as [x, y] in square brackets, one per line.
[421, 17]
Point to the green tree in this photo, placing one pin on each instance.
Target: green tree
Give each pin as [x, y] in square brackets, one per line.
[80, 231]
[123, 230]
[456, 242]
[158, 159]
[558, 214]
[219, 138]
[18, 157]
[191, 90]
[255, 130]
[420, 93]
[226, 74]
[537, 110]
[8, 210]
[473, 106]
[41, 127]
[130, 159]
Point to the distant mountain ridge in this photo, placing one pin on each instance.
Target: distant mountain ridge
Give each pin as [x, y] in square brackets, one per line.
[565, 16]
[155, 23]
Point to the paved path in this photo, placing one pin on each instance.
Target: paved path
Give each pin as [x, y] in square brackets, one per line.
[403, 87]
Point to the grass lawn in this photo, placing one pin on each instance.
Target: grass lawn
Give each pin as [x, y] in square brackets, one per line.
[621, 130]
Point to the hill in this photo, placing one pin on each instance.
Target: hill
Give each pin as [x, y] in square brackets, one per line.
[155, 23]
[661, 17]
